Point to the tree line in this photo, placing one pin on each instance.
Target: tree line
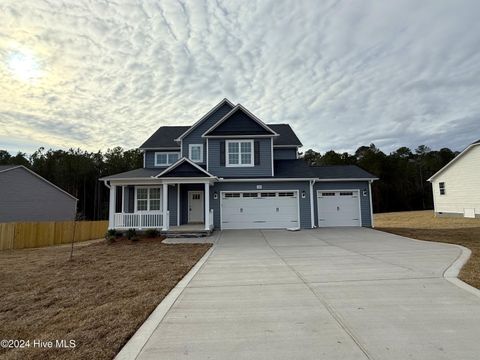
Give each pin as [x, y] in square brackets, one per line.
[402, 174]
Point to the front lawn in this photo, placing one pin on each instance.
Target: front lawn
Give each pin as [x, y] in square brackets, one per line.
[99, 299]
[423, 225]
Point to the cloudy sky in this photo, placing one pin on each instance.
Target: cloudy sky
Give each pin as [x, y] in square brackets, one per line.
[98, 74]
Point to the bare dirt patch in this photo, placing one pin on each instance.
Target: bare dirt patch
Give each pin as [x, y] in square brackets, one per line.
[423, 225]
[99, 299]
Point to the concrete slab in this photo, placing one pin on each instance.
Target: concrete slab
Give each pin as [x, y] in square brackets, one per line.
[322, 294]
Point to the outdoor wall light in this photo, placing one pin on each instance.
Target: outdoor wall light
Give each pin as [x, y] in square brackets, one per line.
[215, 195]
[303, 194]
[364, 192]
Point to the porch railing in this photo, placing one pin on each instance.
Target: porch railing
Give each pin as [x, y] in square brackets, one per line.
[210, 224]
[138, 220]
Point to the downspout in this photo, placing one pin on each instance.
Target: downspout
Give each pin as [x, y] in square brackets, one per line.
[312, 214]
[106, 184]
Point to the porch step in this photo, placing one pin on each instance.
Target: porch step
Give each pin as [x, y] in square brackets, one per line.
[186, 233]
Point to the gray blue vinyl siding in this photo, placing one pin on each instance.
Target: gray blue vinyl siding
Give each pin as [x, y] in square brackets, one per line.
[172, 204]
[285, 153]
[301, 186]
[347, 185]
[195, 137]
[150, 158]
[263, 169]
[26, 197]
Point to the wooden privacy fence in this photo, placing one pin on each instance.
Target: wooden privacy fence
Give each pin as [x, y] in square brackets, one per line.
[38, 234]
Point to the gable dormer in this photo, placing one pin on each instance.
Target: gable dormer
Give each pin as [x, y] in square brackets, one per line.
[239, 122]
[193, 145]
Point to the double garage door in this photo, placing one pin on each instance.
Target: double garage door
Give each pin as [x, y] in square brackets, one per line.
[338, 208]
[260, 210]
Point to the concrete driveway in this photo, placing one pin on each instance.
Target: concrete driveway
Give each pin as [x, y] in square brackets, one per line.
[321, 294]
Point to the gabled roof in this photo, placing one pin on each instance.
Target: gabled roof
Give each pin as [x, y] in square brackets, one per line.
[238, 108]
[187, 169]
[140, 173]
[5, 168]
[287, 135]
[191, 128]
[475, 143]
[165, 137]
[8, 167]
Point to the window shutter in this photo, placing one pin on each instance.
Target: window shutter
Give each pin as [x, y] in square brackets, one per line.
[256, 154]
[222, 153]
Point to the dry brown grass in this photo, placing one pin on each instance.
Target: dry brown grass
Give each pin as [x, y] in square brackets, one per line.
[423, 225]
[99, 299]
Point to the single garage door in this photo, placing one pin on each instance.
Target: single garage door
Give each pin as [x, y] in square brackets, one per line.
[260, 210]
[338, 208]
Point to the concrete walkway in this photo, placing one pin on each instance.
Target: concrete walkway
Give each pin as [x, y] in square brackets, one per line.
[321, 294]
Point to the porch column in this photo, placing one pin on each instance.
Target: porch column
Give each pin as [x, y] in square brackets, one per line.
[207, 206]
[166, 220]
[111, 210]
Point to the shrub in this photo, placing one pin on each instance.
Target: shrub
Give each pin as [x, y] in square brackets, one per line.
[110, 235]
[131, 233]
[152, 233]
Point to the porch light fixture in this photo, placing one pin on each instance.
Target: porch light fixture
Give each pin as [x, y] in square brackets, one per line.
[215, 195]
[364, 193]
[303, 194]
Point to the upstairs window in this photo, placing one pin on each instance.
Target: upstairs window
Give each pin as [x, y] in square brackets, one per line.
[441, 186]
[166, 158]
[239, 153]
[195, 152]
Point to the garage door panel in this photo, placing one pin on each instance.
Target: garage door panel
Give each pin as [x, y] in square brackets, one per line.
[259, 210]
[338, 208]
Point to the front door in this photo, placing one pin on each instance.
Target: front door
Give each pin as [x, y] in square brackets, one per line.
[195, 206]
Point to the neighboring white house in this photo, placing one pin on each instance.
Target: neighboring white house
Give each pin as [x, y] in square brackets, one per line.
[456, 186]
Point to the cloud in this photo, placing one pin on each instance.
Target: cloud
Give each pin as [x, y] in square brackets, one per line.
[343, 74]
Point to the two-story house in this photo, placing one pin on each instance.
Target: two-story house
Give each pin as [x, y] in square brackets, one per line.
[230, 170]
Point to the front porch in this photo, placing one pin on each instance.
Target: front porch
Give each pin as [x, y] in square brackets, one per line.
[180, 207]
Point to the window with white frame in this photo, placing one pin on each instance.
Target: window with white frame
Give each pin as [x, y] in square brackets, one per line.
[195, 152]
[441, 187]
[239, 153]
[166, 158]
[149, 198]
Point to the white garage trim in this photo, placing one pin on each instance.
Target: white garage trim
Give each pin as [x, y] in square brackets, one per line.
[341, 190]
[297, 192]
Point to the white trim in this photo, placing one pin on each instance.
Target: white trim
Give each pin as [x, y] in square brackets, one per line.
[234, 110]
[343, 190]
[371, 206]
[190, 129]
[312, 209]
[190, 146]
[111, 207]
[252, 153]
[38, 176]
[123, 199]
[206, 155]
[452, 161]
[168, 155]
[144, 156]
[164, 202]
[135, 208]
[346, 179]
[259, 191]
[188, 203]
[271, 155]
[180, 161]
[206, 205]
